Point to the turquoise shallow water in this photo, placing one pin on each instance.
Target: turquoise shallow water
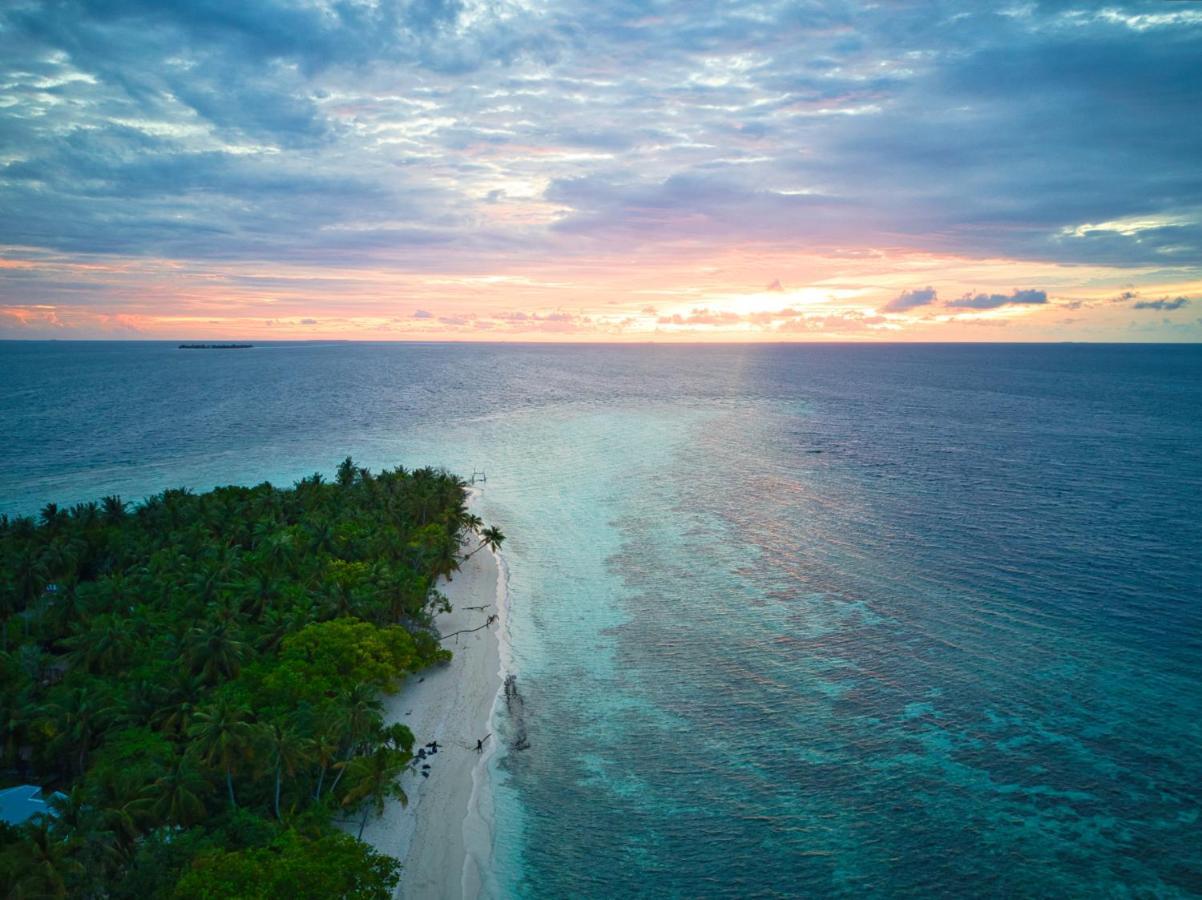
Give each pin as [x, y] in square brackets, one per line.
[885, 621]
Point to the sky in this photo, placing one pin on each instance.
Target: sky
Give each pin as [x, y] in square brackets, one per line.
[665, 170]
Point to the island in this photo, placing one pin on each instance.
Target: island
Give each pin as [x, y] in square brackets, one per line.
[200, 693]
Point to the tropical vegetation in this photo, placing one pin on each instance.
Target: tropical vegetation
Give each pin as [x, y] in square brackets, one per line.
[199, 677]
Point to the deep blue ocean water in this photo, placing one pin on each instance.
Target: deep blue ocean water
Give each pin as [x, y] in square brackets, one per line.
[788, 621]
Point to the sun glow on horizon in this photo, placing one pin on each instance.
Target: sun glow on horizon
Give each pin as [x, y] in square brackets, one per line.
[667, 299]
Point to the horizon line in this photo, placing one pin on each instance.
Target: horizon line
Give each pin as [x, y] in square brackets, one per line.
[585, 342]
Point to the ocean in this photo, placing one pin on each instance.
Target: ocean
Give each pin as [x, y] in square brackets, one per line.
[900, 620]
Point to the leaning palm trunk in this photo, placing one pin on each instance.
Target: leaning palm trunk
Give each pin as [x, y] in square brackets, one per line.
[349, 751]
[229, 784]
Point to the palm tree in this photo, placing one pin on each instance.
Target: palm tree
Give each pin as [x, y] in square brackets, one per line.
[178, 704]
[49, 867]
[286, 751]
[86, 830]
[111, 594]
[490, 537]
[207, 583]
[325, 747]
[87, 514]
[347, 472]
[30, 576]
[70, 810]
[358, 716]
[62, 555]
[277, 549]
[257, 592]
[274, 626]
[374, 779]
[16, 701]
[112, 509]
[52, 516]
[444, 558]
[321, 538]
[337, 599]
[78, 715]
[71, 603]
[223, 732]
[118, 794]
[214, 652]
[178, 505]
[405, 590]
[103, 646]
[175, 797]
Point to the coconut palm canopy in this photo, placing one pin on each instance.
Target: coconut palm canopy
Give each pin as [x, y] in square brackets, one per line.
[198, 675]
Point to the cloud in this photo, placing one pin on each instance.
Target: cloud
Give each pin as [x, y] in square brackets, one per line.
[701, 316]
[555, 321]
[308, 321]
[993, 301]
[775, 286]
[1163, 304]
[454, 136]
[836, 323]
[908, 300]
[701, 205]
[763, 318]
[422, 314]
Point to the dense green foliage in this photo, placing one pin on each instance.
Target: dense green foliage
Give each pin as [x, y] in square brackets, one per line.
[199, 677]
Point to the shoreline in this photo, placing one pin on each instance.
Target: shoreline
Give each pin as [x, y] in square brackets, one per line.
[443, 837]
[479, 825]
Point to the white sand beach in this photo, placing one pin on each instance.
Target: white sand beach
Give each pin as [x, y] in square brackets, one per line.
[451, 704]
